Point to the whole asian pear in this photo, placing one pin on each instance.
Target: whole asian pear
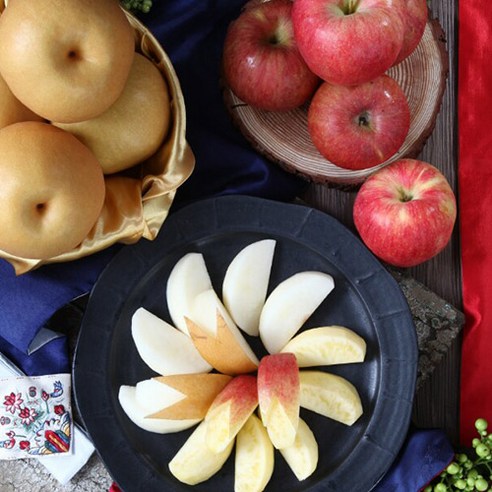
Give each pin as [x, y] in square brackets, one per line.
[66, 60]
[52, 190]
[134, 127]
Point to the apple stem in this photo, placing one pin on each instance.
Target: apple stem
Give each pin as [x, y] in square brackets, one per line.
[351, 6]
[405, 196]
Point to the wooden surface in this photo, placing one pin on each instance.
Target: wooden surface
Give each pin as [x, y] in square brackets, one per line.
[437, 401]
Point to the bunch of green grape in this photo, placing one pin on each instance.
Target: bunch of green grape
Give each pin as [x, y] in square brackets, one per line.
[468, 473]
[137, 5]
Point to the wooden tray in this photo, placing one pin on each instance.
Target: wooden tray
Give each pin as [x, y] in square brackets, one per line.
[284, 139]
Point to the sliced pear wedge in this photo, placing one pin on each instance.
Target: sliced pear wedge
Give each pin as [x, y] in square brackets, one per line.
[245, 285]
[217, 337]
[289, 305]
[137, 414]
[327, 345]
[163, 348]
[188, 278]
[195, 462]
[302, 456]
[198, 392]
[254, 458]
[330, 395]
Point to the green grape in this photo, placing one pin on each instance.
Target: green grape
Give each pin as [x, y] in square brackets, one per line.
[481, 484]
[460, 484]
[440, 487]
[453, 468]
[481, 425]
[482, 450]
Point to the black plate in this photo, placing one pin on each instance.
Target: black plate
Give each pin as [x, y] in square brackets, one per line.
[366, 298]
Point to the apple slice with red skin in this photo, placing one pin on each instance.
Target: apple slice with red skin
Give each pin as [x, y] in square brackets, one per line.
[279, 397]
[229, 411]
[261, 62]
[405, 213]
[359, 127]
[348, 42]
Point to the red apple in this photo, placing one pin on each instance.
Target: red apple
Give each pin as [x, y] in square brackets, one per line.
[405, 213]
[360, 126]
[414, 14]
[348, 42]
[261, 62]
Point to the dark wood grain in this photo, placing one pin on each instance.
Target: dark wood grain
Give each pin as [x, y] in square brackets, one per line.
[437, 400]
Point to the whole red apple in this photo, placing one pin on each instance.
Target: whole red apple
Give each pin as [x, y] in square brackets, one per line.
[348, 42]
[261, 61]
[414, 14]
[405, 213]
[357, 127]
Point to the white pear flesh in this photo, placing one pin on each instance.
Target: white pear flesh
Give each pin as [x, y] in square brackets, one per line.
[137, 414]
[254, 459]
[163, 348]
[188, 278]
[195, 462]
[289, 306]
[326, 346]
[302, 456]
[245, 285]
[330, 395]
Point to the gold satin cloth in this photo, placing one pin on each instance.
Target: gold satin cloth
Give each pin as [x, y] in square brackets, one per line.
[137, 200]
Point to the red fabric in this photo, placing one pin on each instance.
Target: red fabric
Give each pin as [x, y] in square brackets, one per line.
[475, 198]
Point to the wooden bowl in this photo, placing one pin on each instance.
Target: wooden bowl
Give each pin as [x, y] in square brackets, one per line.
[284, 139]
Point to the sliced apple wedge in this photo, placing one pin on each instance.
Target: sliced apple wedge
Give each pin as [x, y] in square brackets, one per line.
[330, 395]
[137, 414]
[327, 345]
[289, 305]
[278, 397]
[302, 456]
[245, 284]
[217, 338]
[196, 394]
[163, 348]
[195, 462]
[230, 410]
[254, 458]
[187, 279]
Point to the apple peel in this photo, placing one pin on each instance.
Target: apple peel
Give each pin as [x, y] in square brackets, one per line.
[230, 410]
[279, 397]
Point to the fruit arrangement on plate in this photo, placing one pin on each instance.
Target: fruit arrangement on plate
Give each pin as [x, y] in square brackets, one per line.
[335, 90]
[92, 132]
[210, 376]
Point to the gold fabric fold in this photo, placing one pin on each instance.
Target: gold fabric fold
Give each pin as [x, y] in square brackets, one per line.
[137, 200]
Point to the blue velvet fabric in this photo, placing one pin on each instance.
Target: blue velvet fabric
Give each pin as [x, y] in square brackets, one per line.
[192, 33]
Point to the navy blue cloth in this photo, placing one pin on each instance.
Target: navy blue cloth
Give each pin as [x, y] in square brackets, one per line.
[425, 453]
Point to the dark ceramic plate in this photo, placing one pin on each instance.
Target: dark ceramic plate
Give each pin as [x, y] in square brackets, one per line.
[366, 298]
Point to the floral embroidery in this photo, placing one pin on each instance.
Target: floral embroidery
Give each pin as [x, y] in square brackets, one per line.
[36, 420]
[13, 402]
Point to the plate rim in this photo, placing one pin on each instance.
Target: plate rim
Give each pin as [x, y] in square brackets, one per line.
[401, 406]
